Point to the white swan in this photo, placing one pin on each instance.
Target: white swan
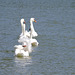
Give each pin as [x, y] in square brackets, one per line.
[24, 33]
[34, 34]
[24, 37]
[25, 48]
[27, 41]
[34, 42]
[30, 40]
[22, 50]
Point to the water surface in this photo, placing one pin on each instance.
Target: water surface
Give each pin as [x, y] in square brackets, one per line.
[55, 25]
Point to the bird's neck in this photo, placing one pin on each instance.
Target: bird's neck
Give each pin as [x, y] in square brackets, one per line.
[23, 29]
[31, 26]
[31, 34]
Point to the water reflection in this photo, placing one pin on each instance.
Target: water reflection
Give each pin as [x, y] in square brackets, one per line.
[22, 65]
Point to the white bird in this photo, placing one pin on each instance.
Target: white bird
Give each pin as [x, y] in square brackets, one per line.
[25, 48]
[27, 41]
[30, 40]
[34, 34]
[34, 42]
[23, 36]
[22, 50]
[24, 33]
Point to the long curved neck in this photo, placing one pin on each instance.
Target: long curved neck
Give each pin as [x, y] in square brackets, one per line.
[23, 29]
[31, 26]
[31, 34]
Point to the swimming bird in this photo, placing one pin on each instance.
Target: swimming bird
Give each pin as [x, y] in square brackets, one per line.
[23, 26]
[25, 48]
[34, 33]
[25, 32]
[34, 42]
[23, 36]
[22, 50]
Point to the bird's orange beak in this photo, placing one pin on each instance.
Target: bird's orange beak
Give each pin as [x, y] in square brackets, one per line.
[35, 21]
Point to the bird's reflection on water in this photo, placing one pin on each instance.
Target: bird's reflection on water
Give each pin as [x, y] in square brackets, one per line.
[22, 65]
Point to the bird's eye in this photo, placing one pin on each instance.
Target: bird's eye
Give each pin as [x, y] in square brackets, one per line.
[24, 22]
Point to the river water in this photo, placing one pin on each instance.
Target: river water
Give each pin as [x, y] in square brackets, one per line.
[55, 26]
